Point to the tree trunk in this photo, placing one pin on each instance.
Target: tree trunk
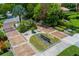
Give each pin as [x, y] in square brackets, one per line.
[20, 18]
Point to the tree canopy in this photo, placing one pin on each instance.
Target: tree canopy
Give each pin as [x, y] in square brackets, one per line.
[18, 10]
[6, 7]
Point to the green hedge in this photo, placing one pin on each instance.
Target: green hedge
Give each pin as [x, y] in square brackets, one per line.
[74, 16]
[71, 15]
[59, 28]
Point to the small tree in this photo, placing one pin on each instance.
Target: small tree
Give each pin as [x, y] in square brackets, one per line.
[18, 10]
[53, 13]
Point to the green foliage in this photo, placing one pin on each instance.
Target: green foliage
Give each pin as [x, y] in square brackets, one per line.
[77, 30]
[71, 13]
[73, 22]
[7, 44]
[3, 50]
[22, 28]
[73, 19]
[30, 10]
[52, 21]
[59, 28]
[74, 16]
[54, 15]
[18, 10]
[38, 43]
[5, 7]
[26, 25]
[9, 53]
[53, 9]
[2, 35]
[1, 25]
[37, 11]
[70, 51]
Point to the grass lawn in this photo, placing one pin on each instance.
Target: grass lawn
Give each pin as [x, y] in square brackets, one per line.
[70, 51]
[7, 54]
[39, 44]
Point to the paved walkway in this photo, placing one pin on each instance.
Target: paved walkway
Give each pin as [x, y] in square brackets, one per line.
[77, 42]
[18, 43]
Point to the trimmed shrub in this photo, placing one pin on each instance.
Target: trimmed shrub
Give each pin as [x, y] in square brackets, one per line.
[59, 28]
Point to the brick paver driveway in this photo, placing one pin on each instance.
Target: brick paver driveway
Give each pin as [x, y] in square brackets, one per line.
[18, 43]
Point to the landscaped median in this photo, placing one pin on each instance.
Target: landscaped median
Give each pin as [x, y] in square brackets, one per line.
[40, 43]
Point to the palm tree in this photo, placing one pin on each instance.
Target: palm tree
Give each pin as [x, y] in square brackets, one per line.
[18, 10]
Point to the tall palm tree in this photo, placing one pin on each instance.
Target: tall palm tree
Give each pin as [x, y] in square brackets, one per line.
[18, 10]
